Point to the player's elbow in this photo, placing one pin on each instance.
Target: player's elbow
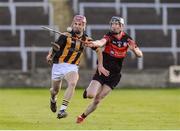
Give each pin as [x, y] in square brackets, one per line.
[140, 54]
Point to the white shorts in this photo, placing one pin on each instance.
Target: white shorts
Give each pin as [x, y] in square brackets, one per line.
[61, 69]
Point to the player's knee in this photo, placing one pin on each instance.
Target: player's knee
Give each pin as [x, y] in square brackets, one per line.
[90, 95]
[72, 84]
[54, 91]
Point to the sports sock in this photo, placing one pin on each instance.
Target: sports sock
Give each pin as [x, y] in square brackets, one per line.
[83, 115]
[64, 105]
[53, 99]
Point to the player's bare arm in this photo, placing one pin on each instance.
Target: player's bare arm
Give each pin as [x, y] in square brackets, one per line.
[49, 58]
[132, 45]
[97, 43]
[138, 52]
[100, 66]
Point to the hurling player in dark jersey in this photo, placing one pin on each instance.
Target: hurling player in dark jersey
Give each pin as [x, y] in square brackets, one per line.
[116, 44]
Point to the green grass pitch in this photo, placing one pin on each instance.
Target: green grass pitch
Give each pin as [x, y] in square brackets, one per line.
[28, 109]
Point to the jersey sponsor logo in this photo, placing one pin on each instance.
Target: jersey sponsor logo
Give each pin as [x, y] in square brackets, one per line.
[125, 44]
[120, 43]
[112, 52]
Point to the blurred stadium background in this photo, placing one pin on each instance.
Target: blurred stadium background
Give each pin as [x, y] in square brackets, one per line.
[154, 24]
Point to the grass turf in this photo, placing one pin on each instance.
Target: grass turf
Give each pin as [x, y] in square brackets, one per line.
[24, 109]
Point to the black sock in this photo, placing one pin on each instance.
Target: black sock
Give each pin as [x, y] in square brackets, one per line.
[83, 115]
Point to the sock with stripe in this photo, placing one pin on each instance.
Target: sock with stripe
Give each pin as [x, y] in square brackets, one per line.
[64, 105]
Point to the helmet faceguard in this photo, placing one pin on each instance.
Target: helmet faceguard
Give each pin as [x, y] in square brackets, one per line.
[79, 18]
[120, 21]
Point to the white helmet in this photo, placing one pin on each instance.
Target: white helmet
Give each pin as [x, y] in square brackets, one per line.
[117, 19]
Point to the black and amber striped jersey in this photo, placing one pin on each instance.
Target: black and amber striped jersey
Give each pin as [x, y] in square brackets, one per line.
[70, 50]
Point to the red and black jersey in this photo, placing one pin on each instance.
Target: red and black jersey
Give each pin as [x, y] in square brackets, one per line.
[115, 51]
[117, 47]
[113, 55]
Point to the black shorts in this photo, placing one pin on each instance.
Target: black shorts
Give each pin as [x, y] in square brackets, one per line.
[112, 80]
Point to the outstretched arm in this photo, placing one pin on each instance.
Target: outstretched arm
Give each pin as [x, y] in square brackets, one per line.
[132, 45]
[97, 43]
